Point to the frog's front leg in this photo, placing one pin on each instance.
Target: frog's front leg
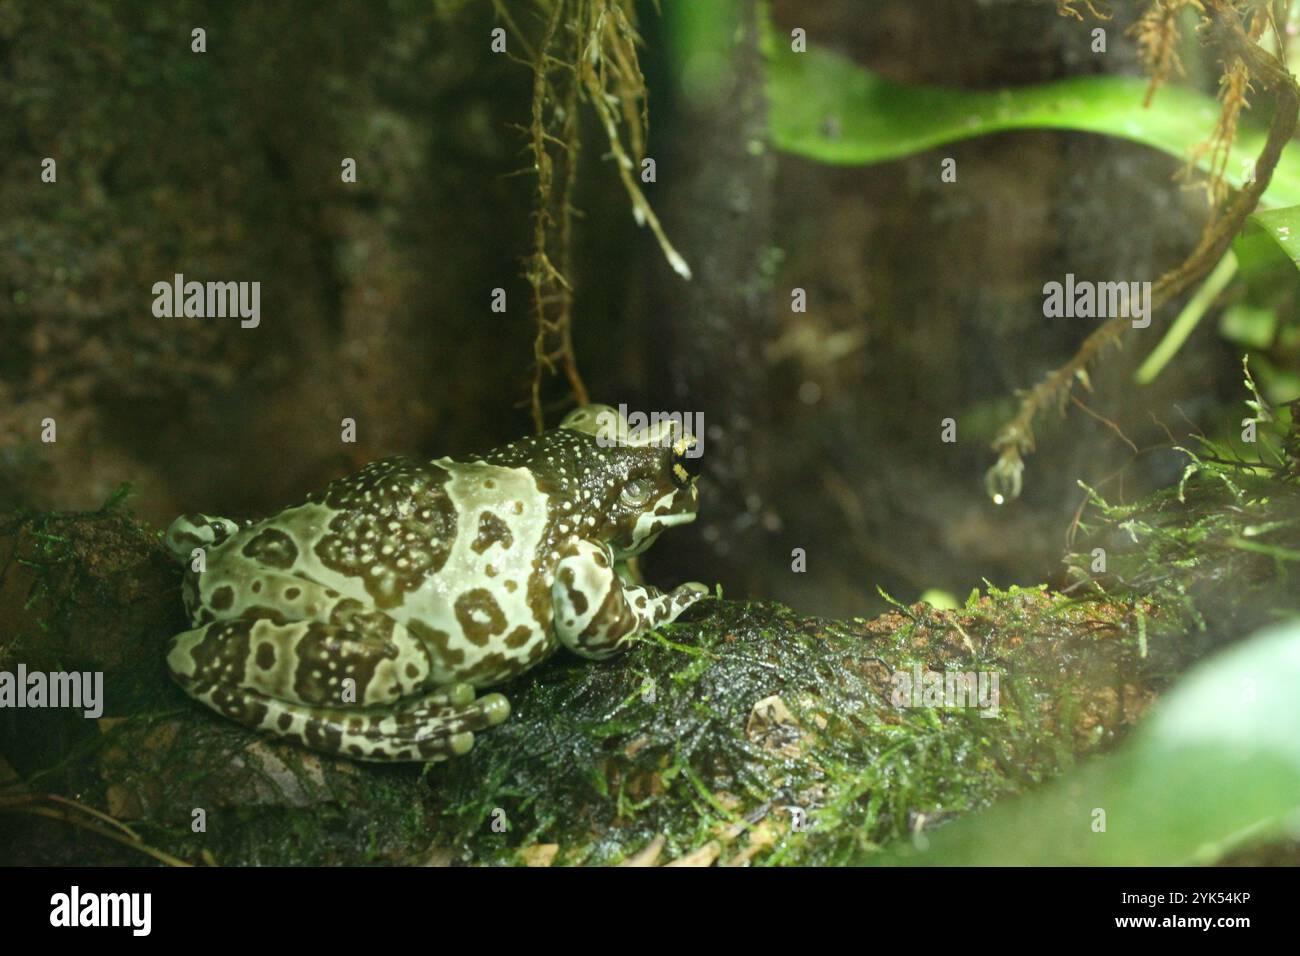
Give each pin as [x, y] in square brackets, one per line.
[597, 613]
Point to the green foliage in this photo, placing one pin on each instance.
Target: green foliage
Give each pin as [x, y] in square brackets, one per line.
[1224, 525]
[827, 108]
[1268, 234]
[592, 763]
[1215, 770]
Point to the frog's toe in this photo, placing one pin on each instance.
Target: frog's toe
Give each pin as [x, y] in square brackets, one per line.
[453, 695]
[425, 721]
[495, 708]
[685, 595]
[432, 729]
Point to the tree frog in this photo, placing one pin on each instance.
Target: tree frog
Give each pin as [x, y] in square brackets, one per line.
[362, 621]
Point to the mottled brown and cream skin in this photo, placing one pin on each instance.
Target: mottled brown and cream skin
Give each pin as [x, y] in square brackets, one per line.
[361, 621]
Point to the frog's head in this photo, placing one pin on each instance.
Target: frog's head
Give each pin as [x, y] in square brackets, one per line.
[630, 487]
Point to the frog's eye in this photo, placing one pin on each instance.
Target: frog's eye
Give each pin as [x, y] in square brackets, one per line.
[684, 468]
[637, 492]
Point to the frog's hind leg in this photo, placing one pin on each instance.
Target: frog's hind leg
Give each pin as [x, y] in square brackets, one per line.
[363, 659]
[433, 727]
[337, 687]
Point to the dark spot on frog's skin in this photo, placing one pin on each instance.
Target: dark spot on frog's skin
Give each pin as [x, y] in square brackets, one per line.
[577, 599]
[273, 548]
[539, 598]
[474, 605]
[519, 636]
[222, 598]
[355, 750]
[319, 734]
[397, 502]
[285, 721]
[610, 618]
[190, 592]
[512, 586]
[257, 612]
[257, 587]
[366, 642]
[291, 594]
[257, 711]
[265, 656]
[600, 559]
[222, 654]
[412, 671]
[438, 641]
[355, 725]
[640, 601]
[491, 530]
[345, 610]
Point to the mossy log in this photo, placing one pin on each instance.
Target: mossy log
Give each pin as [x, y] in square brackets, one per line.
[745, 732]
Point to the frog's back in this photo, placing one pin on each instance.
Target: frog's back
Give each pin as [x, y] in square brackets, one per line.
[455, 551]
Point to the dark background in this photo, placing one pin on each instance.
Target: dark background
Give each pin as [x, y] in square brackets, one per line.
[925, 298]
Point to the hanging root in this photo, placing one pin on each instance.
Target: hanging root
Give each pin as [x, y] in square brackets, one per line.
[587, 50]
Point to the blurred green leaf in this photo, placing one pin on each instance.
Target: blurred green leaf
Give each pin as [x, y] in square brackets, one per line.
[1216, 768]
[935, 597]
[1248, 325]
[825, 107]
[1266, 238]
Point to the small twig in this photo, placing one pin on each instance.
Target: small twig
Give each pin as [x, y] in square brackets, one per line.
[68, 812]
[1107, 422]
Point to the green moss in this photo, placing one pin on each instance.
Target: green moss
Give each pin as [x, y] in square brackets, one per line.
[592, 762]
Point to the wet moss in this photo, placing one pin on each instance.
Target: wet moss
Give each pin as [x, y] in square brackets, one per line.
[778, 736]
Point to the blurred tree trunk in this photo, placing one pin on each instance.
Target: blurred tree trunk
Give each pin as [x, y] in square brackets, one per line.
[721, 172]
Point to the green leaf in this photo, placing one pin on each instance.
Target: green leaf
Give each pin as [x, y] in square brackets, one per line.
[1267, 238]
[824, 106]
[1248, 325]
[1215, 768]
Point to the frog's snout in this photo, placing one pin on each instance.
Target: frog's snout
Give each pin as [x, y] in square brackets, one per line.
[191, 531]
